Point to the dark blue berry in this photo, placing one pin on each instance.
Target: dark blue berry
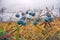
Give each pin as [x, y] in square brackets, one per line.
[24, 17]
[33, 14]
[17, 15]
[21, 22]
[30, 13]
[35, 23]
[37, 19]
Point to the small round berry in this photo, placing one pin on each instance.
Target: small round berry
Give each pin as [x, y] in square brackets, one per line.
[17, 15]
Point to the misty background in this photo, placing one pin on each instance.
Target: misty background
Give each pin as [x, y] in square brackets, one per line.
[23, 5]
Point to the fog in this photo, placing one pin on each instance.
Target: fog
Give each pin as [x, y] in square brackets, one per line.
[16, 5]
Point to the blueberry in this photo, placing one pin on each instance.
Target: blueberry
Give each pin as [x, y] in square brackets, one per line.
[17, 15]
[19, 22]
[35, 23]
[37, 19]
[24, 17]
[50, 18]
[23, 23]
[30, 13]
[46, 20]
[33, 14]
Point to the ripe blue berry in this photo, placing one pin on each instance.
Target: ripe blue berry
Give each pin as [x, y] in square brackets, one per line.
[24, 17]
[35, 23]
[17, 15]
[21, 22]
[37, 19]
[30, 13]
[33, 14]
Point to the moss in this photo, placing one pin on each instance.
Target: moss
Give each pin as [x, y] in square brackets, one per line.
[1, 32]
